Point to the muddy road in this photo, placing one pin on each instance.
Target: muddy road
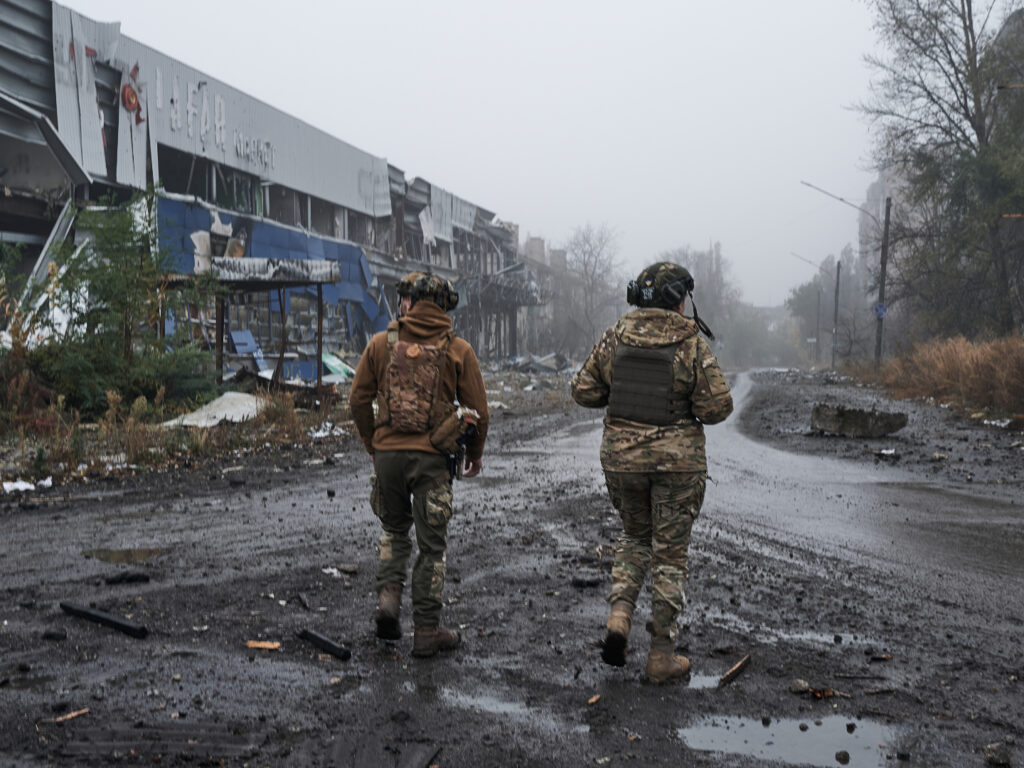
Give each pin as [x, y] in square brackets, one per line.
[894, 594]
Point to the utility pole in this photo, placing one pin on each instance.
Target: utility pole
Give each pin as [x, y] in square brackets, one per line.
[817, 330]
[880, 310]
[835, 316]
[835, 312]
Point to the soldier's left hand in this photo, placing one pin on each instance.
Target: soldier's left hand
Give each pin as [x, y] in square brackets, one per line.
[473, 467]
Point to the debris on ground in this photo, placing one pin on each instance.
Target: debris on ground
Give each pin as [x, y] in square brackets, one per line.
[12, 486]
[106, 619]
[997, 754]
[325, 644]
[734, 671]
[231, 406]
[856, 422]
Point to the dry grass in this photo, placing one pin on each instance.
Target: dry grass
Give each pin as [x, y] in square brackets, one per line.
[128, 437]
[966, 375]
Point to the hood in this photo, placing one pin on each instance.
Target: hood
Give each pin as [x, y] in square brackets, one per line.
[425, 322]
[654, 328]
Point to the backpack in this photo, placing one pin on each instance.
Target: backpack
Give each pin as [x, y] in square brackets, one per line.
[412, 382]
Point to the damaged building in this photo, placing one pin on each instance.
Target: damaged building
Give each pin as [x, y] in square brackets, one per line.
[87, 113]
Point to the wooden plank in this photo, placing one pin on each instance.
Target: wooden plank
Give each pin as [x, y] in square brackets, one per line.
[107, 619]
[734, 671]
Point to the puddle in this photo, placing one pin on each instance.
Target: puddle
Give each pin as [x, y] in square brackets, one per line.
[784, 741]
[123, 555]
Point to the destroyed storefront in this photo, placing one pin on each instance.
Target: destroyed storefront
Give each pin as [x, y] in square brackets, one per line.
[468, 245]
[87, 114]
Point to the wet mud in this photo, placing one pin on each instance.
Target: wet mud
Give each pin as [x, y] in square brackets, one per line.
[881, 627]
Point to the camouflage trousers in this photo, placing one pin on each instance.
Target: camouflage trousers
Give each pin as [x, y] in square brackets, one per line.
[657, 511]
[413, 488]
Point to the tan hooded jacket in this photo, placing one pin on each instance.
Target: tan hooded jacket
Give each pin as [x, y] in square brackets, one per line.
[426, 323]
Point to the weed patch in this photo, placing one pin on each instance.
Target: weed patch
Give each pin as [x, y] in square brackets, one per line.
[966, 375]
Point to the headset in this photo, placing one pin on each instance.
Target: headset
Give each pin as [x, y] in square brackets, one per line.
[669, 295]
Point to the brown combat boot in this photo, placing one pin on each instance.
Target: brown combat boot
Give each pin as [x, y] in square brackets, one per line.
[662, 663]
[429, 640]
[389, 602]
[613, 650]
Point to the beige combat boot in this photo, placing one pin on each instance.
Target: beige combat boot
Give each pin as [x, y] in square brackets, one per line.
[429, 640]
[613, 650]
[662, 663]
[389, 602]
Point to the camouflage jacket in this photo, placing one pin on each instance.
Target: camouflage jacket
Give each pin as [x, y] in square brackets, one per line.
[630, 446]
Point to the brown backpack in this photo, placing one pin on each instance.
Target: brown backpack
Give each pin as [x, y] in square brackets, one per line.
[412, 383]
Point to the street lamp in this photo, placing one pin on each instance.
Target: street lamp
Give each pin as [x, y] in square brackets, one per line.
[880, 309]
[835, 308]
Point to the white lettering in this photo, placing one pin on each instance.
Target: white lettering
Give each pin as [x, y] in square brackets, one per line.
[255, 151]
[190, 109]
[219, 121]
[175, 104]
[204, 119]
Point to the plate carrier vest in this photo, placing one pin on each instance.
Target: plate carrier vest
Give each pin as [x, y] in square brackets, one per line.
[641, 388]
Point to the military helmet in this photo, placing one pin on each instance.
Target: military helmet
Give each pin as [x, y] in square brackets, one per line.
[404, 285]
[437, 289]
[663, 285]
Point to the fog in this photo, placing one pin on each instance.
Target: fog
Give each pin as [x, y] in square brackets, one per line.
[673, 123]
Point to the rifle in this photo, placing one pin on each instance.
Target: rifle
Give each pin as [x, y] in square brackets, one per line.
[457, 461]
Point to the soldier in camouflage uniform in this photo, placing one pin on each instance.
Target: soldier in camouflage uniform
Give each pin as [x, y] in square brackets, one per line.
[661, 384]
[411, 486]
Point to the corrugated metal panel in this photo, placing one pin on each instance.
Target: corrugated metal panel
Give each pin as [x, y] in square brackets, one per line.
[68, 162]
[68, 124]
[18, 127]
[418, 194]
[396, 176]
[463, 214]
[441, 213]
[381, 188]
[132, 146]
[78, 119]
[26, 53]
[90, 124]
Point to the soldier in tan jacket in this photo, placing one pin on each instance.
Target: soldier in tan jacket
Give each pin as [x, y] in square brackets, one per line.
[660, 383]
[414, 371]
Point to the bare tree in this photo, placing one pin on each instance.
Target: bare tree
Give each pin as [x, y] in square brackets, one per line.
[714, 290]
[937, 110]
[591, 257]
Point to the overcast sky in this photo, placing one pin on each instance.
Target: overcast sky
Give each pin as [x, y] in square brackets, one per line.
[674, 123]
